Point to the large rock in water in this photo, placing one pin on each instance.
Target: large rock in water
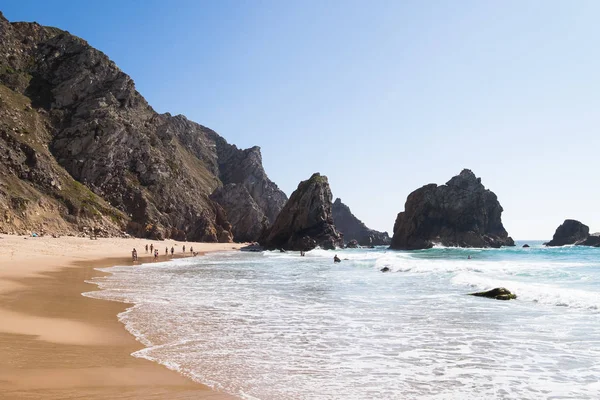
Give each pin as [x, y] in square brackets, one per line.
[461, 213]
[80, 147]
[354, 229]
[574, 232]
[306, 219]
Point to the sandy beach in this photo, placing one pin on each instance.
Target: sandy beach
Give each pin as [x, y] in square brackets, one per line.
[57, 344]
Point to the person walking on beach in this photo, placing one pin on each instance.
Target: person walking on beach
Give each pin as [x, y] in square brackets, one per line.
[134, 254]
[166, 251]
[155, 254]
[172, 250]
[191, 250]
[184, 248]
[146, 247]
[151, 248]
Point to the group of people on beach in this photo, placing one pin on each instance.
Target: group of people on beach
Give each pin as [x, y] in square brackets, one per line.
[154, 251]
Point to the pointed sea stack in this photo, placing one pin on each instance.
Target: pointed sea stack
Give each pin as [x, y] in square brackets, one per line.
[306, 219]
[354, 229]
[461, 213]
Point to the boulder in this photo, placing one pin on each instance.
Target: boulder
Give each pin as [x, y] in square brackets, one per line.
[497, 293]
[385, 269]
[252, 247]
[570, 232]
[354, 229]
[353, 244]
[306, 220]
[592, 240]
[461, 213]
[525, 245]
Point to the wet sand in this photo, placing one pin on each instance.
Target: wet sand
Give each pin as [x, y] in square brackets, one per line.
[57, 344]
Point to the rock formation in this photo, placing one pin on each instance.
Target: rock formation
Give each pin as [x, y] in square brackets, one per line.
[497, 293]
[460, 213]
[354, 229]
[252, 201]
[306, 219]
[80, 147]
[574, 232]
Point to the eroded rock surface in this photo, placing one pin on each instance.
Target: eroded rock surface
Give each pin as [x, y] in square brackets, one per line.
[306, 220]
[461, 213]
[354, 229]
[81, 147]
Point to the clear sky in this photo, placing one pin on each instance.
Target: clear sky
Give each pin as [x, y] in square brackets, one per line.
[381, 96]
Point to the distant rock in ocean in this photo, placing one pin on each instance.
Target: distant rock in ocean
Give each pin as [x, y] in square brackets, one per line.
[306, 219]
[81, 149]
[461, 213]
[573, 232]
[354, 229]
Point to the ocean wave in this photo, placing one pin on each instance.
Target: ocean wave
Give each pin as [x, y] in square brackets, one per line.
[547, 294]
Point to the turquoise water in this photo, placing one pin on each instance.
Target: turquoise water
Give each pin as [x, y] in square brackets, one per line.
[279, 326]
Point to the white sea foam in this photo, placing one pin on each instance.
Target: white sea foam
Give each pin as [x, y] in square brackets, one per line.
[279, 326]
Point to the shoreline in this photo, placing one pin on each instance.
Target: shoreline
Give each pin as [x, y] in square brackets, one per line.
[56, 343]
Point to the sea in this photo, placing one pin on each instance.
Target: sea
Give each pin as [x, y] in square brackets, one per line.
[278, 326]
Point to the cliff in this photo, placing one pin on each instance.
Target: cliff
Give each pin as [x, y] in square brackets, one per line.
[306, 219]
[354, 229]
[81, 147]
[461, 213]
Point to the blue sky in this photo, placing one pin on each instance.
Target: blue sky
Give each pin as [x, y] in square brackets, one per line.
[381, 96]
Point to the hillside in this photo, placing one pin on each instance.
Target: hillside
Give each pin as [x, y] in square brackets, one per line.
[81, 149]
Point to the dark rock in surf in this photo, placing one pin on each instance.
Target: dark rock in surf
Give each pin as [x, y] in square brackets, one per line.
[461, 213]
[306, 220]
[572, 232]
[253, 247]
[497, 293]
[385, 269]
[592, 240]
[353, 244]
[525, 246]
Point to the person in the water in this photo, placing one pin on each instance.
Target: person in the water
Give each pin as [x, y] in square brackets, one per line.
[336, 259]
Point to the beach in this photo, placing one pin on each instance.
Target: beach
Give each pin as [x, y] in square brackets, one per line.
[57, 344]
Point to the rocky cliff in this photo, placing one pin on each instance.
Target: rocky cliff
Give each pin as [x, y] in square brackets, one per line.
[81, 147]
[460, 213]
[572, 232]
[354, 229]
[306, 219]
[251, 200]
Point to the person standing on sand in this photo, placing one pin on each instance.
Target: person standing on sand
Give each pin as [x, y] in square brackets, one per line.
[146, 247]
[184, 248]
[191, 250]
[166, 251]
[151, 248]
[172, 250]
[155, 254]
[134, 254]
